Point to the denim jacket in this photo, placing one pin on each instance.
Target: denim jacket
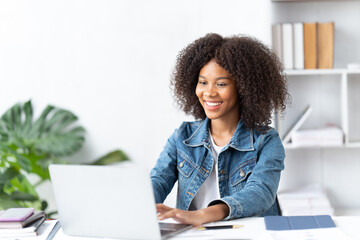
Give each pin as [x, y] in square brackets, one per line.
[249, 168]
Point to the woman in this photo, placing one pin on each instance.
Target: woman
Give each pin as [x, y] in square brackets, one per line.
[227, 163]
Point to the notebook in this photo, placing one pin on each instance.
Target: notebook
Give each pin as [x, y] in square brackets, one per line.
[298, 222]
[108, 201]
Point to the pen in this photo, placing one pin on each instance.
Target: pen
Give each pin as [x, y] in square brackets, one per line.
[53, 231]
[219, 227]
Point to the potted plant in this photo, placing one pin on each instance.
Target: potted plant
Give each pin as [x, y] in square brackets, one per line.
[28, 146]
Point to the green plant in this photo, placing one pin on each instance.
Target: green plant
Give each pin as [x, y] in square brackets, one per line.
[27, 147]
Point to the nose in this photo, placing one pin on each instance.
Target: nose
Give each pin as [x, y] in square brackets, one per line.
[210, 91]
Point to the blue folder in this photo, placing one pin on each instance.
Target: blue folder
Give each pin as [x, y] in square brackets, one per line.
[298, 222]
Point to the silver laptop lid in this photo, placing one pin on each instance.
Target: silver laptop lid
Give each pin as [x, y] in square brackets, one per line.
[105, 201]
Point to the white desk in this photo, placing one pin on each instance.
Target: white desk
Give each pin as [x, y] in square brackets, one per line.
[254, 228]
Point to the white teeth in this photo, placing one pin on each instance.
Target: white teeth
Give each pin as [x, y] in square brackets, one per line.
[213, 104]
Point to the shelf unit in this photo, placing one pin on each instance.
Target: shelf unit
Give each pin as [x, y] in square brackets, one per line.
[333, 86]
[346, 50]
[344, 13]
[334, 96]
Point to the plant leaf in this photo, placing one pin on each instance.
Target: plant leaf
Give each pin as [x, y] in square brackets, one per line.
[22, 161]
[37, 165]
[58, 116]
[16, 119]
[44, 205]
[7, 122]
[30, 146]
[60, 145]
[21, 184]
[28, 110]
[112, 157]
[22, 196]
[38, 125]
[67, 120]
[6, 201]
[8, 174]
[50, 133]
[3, 135]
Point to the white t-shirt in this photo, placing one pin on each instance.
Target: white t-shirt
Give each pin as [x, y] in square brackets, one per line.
[209, 191]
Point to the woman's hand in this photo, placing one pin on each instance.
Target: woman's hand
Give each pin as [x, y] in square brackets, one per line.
[196, 218]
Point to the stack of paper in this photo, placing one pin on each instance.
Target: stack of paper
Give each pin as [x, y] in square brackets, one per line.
[328, 136]
[310, 200]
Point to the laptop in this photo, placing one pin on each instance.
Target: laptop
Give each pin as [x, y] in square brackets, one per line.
[108, 201]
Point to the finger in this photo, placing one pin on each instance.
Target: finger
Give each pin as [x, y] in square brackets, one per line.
[161, 207]
[180, 218]
[167, 214]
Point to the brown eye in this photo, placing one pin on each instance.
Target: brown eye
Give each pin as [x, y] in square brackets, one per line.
[202, 82]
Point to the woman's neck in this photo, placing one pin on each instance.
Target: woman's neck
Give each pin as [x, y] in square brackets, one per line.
[222, 131]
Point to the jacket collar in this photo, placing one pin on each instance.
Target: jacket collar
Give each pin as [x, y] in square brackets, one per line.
[242, 140]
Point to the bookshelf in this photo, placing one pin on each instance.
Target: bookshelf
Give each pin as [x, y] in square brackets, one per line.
[345, 14]
[334, 96]
[332, 91]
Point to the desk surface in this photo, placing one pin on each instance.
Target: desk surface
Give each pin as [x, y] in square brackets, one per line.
[254, 228]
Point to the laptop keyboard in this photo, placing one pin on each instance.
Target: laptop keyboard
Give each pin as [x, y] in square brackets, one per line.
[168, 228]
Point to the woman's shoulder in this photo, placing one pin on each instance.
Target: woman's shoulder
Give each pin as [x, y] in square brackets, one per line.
[268, 139]
[266, 134]
[188, 128]
[266, 131]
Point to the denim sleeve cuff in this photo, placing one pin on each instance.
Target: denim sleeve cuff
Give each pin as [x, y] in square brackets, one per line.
[235, 209]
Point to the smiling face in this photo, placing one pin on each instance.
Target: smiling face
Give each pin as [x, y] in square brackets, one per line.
[217, 93]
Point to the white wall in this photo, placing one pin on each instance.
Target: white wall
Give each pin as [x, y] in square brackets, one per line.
[109, 61]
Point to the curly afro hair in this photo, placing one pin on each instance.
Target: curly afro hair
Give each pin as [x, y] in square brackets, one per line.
[261, 84]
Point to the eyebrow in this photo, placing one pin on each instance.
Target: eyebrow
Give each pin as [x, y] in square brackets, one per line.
[219, 78]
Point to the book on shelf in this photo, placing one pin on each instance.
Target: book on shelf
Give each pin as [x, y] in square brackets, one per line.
[298, 45]
[310, 45]
[14, 224]
[326, 136]
[30, 230]
[325, 33]
[288, 45]
[298, 123]
[277, 45]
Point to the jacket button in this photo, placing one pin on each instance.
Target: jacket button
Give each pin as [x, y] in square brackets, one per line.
[242, 173]
[181, 164]
[222, 171]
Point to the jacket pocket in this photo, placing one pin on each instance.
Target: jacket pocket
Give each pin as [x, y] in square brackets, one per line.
[242, 172]
[184, 165]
